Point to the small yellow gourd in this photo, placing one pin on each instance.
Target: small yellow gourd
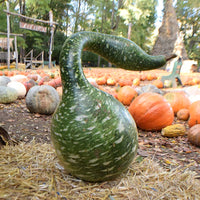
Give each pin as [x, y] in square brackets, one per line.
[174, 130]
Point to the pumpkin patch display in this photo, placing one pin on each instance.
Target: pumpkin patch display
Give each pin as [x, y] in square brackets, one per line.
[151, 111]
[94, 135]
[194, 111]
[126, 94]
[194, 135]
[177, 100]
[7, 94]
[42, 99]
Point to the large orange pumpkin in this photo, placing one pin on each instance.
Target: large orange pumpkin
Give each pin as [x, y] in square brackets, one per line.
[178, 100]
[194, 110]
[151, 111]
[126, 94]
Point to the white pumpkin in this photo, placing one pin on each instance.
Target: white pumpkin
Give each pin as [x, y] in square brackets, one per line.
[19, 78]
[21, 89]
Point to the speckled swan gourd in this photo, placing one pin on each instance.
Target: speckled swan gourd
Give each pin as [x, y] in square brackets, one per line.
[94, 135]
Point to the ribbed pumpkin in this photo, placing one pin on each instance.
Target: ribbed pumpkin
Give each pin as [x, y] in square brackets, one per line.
[178, 100]
[126, 94]
[42, 99]
[194, 110]
[151, 111]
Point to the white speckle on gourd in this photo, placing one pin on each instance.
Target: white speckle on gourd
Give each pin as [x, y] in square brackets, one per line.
[106, 119]
[108, 169]
[107, 163]
[74, 156]
[81, 118]
[91, 128]
[93, 160]
[58, 134]
[119, 140]
[121, 127]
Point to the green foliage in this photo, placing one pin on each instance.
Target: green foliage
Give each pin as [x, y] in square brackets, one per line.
[2, 19]
[188, 13]
[59, 39]
[141, 14]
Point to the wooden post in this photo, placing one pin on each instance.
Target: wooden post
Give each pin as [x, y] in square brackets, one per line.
[16, 53]
[31, 58]
[43, 59]
[8, 35]
[51, 38]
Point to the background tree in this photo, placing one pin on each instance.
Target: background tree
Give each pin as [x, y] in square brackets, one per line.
[106, 16]
[169, 34]
[139, 16]
[188, 14]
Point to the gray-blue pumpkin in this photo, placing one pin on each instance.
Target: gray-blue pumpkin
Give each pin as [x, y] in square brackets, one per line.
[42, 99]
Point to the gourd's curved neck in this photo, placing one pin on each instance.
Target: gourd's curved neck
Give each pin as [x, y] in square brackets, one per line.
[108, 47]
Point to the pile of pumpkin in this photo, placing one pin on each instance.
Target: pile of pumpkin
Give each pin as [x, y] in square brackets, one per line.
[155, 112]
[39, 89]
[151, 111]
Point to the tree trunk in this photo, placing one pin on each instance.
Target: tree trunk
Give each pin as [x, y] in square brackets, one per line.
[169, 39]
[129, 30]
[77, 16]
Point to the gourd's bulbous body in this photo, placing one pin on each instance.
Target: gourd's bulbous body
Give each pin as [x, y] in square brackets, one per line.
[94, 135]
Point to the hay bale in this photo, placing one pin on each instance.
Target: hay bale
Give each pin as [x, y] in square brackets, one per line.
[32, 171]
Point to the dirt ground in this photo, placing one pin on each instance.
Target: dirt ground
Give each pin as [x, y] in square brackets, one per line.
[24, 126]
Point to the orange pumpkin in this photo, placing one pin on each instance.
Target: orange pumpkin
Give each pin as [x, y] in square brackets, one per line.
[194, 135]
[150, 77]
[136, 82]
[158, 83]
[194, 110]
[111, 81]
[183, 114]
[124, 82]
[126, 94]
[58, 82]
[178, 100]
[101, 80]
[151, 111]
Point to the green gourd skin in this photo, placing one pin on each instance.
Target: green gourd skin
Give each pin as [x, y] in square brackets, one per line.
[94, 135]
